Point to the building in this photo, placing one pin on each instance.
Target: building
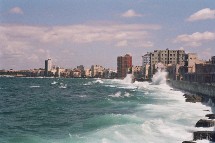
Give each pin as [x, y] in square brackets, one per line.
[88, 73]
[191, 61]
[146, 71]
[124, 65]
[213, 59]
[137, 72]
[146, 59]
[204, 73]
[48, 67]
[97, 71]
[76, 73]
[166, 57]
[109, 74]
[81, 68]
[59, 72]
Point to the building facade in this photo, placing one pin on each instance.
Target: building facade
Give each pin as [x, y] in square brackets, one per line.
[213, 60]
[48, 67]
[87, 73]
[124, 65]
[191, 61]
[97, 71]
[146, 59]
[204, 73]
[81, 68]
[166, 57]
[137, 72]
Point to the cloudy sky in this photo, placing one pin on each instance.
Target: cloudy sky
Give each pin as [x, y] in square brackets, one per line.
[86, 32]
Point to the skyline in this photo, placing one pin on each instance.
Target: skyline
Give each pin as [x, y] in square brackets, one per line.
[85, 32]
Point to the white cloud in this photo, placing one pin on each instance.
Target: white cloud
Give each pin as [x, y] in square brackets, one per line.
[16, 10]
[130, 13]
[195, 39]
[31, 42]
[203, 14]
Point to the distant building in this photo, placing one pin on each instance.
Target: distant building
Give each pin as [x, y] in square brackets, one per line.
[146, 71]
[166, 57]
[97, 71]
[48, 67]
[191, 61]
[76, 73]
[204, 73]
[88, 72]
[137, 72]
[81, 68]
[109, 74]
[59, 72]
[124, 65]
[213, 59]
[146, 59]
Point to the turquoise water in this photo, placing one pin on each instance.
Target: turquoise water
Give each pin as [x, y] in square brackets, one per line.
[49, 110]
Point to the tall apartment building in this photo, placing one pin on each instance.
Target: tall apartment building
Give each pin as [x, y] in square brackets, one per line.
[166, 57]
[124, 64]
[146, 59]
[48, 67]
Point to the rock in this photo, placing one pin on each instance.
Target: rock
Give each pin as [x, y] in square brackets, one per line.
[193, 98]
[188, 142]
[200, 135]
[210, 116]
[206, 110]
[205, 123]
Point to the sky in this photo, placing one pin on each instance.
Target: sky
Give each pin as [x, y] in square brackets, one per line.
[88, 32]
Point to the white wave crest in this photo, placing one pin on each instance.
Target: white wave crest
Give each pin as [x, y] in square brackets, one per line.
[34, 86]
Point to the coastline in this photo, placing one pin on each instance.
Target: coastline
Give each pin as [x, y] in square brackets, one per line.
[204, 93]
[203, 89]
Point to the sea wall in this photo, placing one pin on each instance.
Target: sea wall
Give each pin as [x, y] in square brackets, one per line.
[194, 87]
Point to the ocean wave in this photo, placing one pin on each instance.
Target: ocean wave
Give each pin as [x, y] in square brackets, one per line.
[119, 94]
[34, 86]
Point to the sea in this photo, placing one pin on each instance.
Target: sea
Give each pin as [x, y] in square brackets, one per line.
[75, 110]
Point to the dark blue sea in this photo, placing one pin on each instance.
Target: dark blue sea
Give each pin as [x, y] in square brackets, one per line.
[59, 110]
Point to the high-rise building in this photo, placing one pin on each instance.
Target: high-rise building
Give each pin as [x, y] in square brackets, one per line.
[146, 59]
[124, 65]
[48, 67]
[168, 57]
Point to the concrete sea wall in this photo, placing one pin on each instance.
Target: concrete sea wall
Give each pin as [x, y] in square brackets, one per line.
[194, 87]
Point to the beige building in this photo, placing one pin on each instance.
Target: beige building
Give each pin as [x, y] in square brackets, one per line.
[146, 71]
[76, 73]
[192, 60]
[166, 57]
[97, 71]
[137, 71]
[87, 72]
